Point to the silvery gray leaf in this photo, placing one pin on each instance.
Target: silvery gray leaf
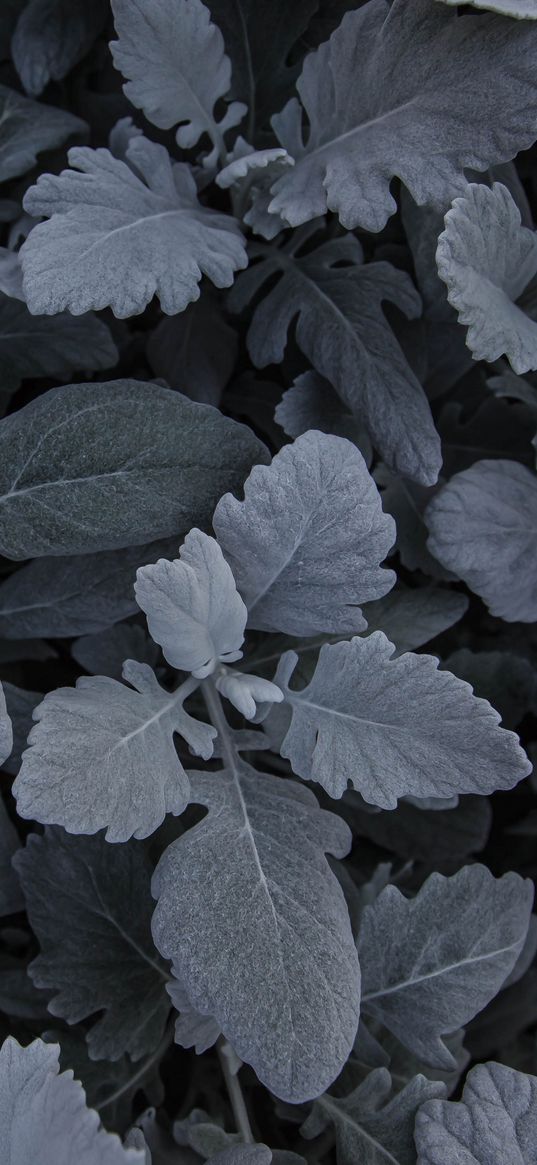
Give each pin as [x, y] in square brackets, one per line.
[406, 501]
[520, 9]
[266, 948]
[20, 706]
[486, 259]
[90, 907]
[311, 403]
[245, 161]
[482, 526]
[430, 963]
[192, 1030]
[394, 727]
[51, 36]
[33, 346]
[27, 128]
[315, 503]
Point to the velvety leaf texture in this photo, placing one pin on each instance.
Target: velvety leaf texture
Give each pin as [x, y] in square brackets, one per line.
[269, 937]
[51, 36]
[120, 233]
[90, 907]
[483, 527]
[393, 727]
[430, 963]
[45, 1114]
[28, 127]
[314, 501]
[495, 1121]
[97, 466]
[396, 116]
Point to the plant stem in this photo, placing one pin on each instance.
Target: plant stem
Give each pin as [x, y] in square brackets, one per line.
[238, 1104]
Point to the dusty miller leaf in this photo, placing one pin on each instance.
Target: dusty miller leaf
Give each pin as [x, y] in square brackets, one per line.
[20, 705]
[28, 127]
[430, 963]
[520, 9]
[316, 503]
[266, 948]
[51, 36]
[312, 403]
[90, 907]
[394, 727]
[32, 346]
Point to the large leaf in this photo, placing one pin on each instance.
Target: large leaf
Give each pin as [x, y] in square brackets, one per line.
[316, 503]
[102, 755]
[120, 233]
[394, 727]
[341, 328]
[430, 963]
[32, 346]
[266, 946]
[98, 466]
[371, 1127]
[494, 1123]
[28, 127]
[90, 907]
[44, 1115]
[176, 66]
[407, 83]
[483, 527]
[53, 35]
[486, 259]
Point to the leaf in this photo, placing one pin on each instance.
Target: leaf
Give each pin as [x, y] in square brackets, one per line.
[51, 37]
[506, 680]
[397, 116]
[495, 1121]
[341, 328]
[178, 351]
[406, 502]
[316, 503]
[495, 429]
[32, 346]
[10, 274]
[99, 466]
[520, 9]
[120, 233]
[266, 948]
[371, 1127]
[77, 595]
[193, 608]
[430, 963]
[439, 837]
[482, 526]
[11, 898]
[245, 162]
[104, 654]
[311, 403]
[20, 705]
[410, 618]
[394, 727]
[103, 756]
[90, 907]
[28, 128]
[486, 259]
[44, 1113]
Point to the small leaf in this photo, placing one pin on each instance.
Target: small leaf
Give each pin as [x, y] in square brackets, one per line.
[32, 346]
[494, 1123]
[51, 36]
[245, 161]
[90, 907]
[315, 503]
[486, 259]
[266, 947]
[430, 963]
[27, 128]
[97, 466]
[103, 756]
[193, 608]
[44, 1115]
[394, 727]
[482, 526]
[120, 233]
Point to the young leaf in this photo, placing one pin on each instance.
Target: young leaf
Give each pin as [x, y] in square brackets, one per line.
[494, 1123]
[315, 503]
[120, 233]
[44, 1115]
[266, 947]
[177, 69]
[103, 756]
[51, 36]
[486, 259]
[178, 351]
[370, 1127]
[90, 907]
[394, 727]
[193, 608]
[483, 527]
[32, 346]
[27, 128]
[430, 963]
[396, 116]
[341, 328]
[98, 466]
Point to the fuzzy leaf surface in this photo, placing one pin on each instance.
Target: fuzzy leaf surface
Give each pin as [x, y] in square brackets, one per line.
[90, 907]
[51, 36]
[28, 127]
[266, 947]
[316, 503]
[432, 962]
[394, 727]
